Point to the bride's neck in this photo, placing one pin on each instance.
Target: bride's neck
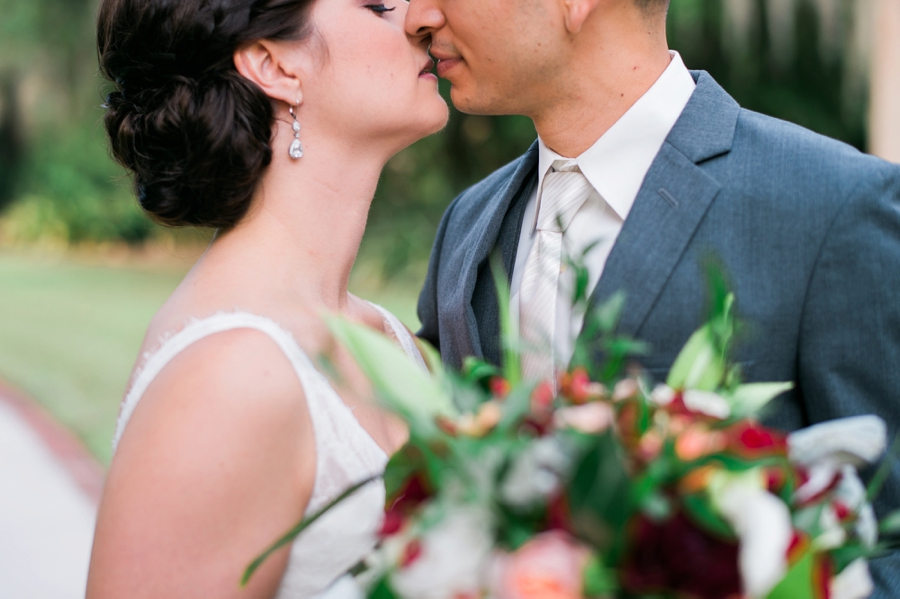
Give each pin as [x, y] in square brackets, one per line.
[303, 232]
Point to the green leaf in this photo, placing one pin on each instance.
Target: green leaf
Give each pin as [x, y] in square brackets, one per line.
[598, 580]
[515, 406]
[749, 399]
[405, 462]
[299, 528]
[703, 362]
[702, 512]
[432, 359]
[509, 330]
[382, 590]
[798, 582]
[600, 490]
[884, 470]
[476, 369]
[400, 382]
[610, 312]
[699, 365]
[844, 556]
[890, 525]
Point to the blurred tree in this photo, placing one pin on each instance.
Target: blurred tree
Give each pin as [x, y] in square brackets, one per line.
[11, 142]
[56, 164]
[802, 60]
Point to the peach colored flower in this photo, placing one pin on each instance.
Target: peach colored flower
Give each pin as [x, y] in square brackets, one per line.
[698, 441]
[626, 389]
[589, 418]
[550, 566]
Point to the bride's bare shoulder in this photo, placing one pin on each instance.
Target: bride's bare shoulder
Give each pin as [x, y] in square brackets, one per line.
[238, 377]
[217, 458]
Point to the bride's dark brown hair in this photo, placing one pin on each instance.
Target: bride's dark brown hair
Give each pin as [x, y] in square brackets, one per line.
[195, 133]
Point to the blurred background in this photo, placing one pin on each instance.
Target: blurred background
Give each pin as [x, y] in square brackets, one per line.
[82, 270]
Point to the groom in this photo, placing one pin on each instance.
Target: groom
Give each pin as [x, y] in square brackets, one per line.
[661, 167]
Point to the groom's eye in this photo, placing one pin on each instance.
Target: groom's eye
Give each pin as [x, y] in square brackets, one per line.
[379, 8]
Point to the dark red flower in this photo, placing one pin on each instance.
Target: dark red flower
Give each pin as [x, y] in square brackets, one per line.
[841, 510]
[392, 523]
[576, 386]
[542, 398]
[776, 478]
[677, 556]
[751, 439]
[499, 387]
[823, 573]
[559, 514]
[803, 476]
[414, 492]
[799, 545]
[411, 553]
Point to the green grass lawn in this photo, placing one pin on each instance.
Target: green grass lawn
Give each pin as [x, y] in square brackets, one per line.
[70, 332]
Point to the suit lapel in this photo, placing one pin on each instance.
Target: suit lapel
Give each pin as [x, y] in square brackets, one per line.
[498, 227]
[673, 199]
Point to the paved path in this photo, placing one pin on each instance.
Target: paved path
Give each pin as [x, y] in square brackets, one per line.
[48, 496]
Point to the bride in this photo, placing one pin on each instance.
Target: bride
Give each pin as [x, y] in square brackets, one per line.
[228, 433]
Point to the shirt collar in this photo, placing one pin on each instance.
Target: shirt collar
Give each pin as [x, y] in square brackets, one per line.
[618, 162]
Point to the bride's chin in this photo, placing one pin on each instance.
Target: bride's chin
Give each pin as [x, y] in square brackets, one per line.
[441, 114]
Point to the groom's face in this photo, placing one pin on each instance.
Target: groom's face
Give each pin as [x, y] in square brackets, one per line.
[500, 56]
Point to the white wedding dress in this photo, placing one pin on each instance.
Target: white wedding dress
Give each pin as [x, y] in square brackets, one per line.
[345, 455]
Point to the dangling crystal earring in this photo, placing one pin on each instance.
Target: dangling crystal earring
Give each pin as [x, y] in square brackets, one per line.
[296, 149]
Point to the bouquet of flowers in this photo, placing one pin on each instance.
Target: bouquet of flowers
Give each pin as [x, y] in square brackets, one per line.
[601, 483]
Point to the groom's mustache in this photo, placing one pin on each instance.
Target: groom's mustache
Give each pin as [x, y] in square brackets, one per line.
[443, 51]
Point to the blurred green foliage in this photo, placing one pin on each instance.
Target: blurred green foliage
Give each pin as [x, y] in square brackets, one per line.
[813, 73]
[57, 182]
[74, 194]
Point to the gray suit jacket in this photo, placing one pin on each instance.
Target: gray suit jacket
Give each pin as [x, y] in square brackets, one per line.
[808, 230]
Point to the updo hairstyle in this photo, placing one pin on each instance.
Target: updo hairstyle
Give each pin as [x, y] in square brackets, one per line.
[193, 131]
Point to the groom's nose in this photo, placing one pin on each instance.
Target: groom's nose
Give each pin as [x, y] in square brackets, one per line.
[424, 17]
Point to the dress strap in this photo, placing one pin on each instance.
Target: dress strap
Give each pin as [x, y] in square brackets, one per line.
[402, 334]
[199, 329]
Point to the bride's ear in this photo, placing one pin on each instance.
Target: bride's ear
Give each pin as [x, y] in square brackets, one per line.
[268, 65]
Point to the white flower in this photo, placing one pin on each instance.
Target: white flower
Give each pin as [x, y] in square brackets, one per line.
[859, 440]
[702, 402]
[453, 557]
[824, 449]
[852, 493]
[707, 402]
[763, 525]
[833, 534]
[662, 395]
[536, 473]
[854, 582]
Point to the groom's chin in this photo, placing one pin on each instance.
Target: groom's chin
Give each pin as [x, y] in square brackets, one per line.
[470, 100]
[466, 99]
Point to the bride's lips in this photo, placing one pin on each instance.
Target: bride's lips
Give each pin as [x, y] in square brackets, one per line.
[426, 72]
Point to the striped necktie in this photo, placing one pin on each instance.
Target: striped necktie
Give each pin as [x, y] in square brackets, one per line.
[564, 191]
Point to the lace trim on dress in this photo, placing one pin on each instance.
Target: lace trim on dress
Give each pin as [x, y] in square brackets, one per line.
[402, 334]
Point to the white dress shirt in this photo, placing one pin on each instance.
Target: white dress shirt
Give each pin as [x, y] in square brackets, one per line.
[615, 166]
